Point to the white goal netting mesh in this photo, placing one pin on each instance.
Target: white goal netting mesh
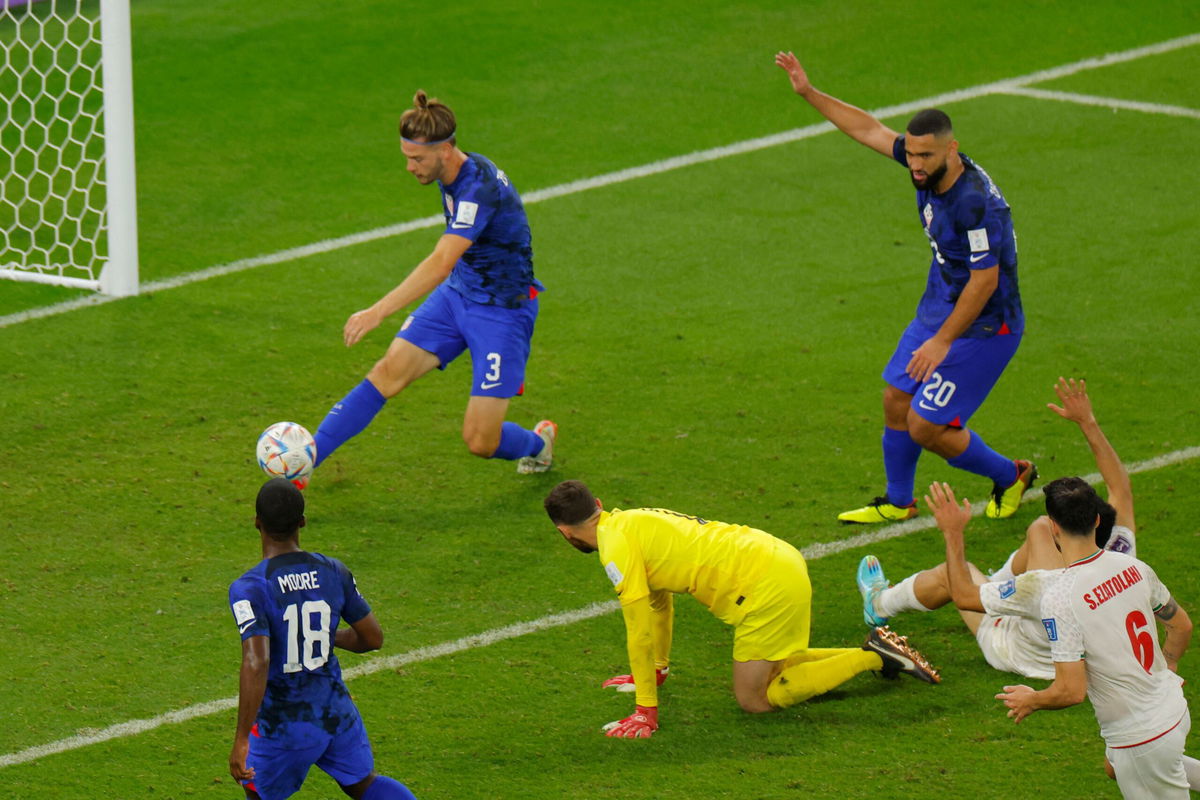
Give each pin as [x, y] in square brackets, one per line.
[52, 206]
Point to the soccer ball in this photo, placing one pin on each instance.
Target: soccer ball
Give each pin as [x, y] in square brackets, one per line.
[287, 450]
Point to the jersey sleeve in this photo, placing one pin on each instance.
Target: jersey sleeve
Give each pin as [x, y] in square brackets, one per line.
[639, 643]
[473, 210]
[898, 150]
[981, 228]
[1159, 594]
[625, 569]
[1062, 627]
[1122, 540]
[1019, 596]
[354, 605]
[249, 609]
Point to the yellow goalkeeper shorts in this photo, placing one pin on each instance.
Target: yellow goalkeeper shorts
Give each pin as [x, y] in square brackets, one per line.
[779, 610]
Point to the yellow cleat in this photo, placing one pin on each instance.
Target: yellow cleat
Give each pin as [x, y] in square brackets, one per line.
[878, 510]
[1006, 500]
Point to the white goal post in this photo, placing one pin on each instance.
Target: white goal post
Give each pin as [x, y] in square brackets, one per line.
[68, 203]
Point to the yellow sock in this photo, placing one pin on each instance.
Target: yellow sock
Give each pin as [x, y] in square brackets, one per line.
[808, 673]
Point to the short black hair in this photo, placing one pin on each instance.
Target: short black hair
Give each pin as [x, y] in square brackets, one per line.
[1073, 505]
[930, 120]
[280, 508]
[570, 503]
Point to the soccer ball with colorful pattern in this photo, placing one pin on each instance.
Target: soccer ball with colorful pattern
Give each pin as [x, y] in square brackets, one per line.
[287, 450]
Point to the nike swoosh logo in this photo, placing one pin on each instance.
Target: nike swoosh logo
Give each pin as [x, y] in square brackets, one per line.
[242, 628]
[489, 385]
[459, 225]
[921, 403]
[979, 257]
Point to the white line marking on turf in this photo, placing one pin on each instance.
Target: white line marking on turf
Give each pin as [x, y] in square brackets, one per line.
[370, 667]
[1103, 102]
[610, 178]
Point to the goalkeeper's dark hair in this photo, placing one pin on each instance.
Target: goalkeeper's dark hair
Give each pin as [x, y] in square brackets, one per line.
[1074, 506]
[429, 120]
[280, 509]
[570, 503]
[930, 120]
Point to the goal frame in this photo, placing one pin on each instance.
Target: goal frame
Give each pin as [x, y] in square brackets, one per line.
[118, 275]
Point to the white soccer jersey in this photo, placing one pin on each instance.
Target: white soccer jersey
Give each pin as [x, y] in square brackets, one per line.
[1101, 609]
[1011, 636]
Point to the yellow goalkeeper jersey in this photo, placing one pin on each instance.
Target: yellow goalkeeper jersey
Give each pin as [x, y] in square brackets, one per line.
[645, 550]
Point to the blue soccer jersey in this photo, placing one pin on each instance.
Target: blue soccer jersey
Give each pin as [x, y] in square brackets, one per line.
[482, 205]
[969, 227]
[297, 599]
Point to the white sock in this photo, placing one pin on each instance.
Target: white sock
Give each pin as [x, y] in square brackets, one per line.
[1004, 573]
[1192, 767]
[901, 597]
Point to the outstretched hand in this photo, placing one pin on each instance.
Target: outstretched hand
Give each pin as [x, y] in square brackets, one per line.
[951, 517]
[790, 64]
[1019, 700]
[359, 325]
[1076, 406]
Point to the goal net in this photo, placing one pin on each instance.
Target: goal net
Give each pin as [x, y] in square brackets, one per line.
[67, 202]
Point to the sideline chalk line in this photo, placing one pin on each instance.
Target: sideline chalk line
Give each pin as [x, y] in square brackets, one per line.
[1007, 86]
[475, 641]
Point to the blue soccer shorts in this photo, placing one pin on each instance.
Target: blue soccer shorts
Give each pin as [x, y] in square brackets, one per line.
[448, 323]
[959, 385]
[279, 770]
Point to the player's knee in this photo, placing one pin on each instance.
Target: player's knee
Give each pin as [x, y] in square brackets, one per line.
[755, 705]
[384, 378]
[481, 444]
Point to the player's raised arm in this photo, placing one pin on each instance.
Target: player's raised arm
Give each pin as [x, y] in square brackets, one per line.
[952, 520]
[1077, 407]
[424, 278]
[850, 120]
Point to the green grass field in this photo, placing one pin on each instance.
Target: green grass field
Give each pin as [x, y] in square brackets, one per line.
[711, 341]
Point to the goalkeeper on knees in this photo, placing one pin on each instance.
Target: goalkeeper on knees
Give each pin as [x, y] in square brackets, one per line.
[745, 577]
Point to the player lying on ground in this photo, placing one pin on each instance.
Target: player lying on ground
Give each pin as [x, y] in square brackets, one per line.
[969, 321]
[482, 298]
[1003, 611]
[293, 708]
[745, 577]
[1098, 616]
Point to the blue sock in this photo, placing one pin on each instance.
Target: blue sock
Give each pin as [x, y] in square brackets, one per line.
[983, 460]
[515, 442]
[347, 418]
[385, 788]
[900, 454]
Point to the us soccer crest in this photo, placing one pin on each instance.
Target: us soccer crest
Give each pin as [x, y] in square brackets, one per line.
[927, 212]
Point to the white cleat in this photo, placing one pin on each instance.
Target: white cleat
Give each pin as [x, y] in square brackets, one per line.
[527, 465]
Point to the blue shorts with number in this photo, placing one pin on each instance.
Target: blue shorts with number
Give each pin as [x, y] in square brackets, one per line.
[280, 765]
[958, 386]
[448, 323]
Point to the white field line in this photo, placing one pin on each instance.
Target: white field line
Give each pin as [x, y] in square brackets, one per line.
[370, 667]
[1114, 103]
[610, 178]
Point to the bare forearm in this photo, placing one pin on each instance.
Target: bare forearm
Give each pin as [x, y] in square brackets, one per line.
[422, 280]
[1053, 697]
[252, 685]
[963, 591]
[966, 310]
[1112, 471]
[852, 121]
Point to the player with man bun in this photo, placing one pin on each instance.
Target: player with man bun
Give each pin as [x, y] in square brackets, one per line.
[482, 298]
